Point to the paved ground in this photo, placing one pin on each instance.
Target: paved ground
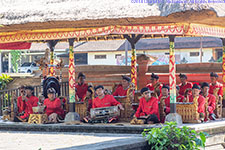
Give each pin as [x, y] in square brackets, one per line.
[46, 141]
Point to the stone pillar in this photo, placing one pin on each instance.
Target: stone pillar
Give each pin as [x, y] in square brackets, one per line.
[143, 61]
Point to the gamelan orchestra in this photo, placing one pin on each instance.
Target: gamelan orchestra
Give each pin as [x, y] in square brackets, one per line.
[195, 103]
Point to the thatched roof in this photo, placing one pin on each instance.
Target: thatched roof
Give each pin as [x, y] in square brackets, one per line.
[45, 14]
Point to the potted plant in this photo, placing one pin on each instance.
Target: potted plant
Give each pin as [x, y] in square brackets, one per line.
[171, 137]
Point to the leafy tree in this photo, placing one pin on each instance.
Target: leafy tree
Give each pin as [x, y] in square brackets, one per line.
[15, 58]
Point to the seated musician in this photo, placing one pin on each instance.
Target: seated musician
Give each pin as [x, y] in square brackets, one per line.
[180, 98]
[185, 86]
[200, 100]
[165, 97]
[20, 101]
[155, 85]
[121, 89]
[89, 98]
[81, 86]
[28, 101]
[215, 85]
[148, 107]
[53, 106]
[210, 99]
[103, 100]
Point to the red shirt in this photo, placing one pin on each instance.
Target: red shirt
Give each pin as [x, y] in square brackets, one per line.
[183, 88]
[27, 106]
[167, 103]
[120, 91]
[218, 85]
[19, 104]
[152, 88]
[81, 90]
[180, 98]
[211, 103]
[201, 103]
[148, 108]
[53, 107]
[106, 101]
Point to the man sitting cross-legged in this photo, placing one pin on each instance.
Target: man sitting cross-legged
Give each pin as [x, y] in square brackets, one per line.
[210, 100]
[199, 100]
[103, 100]
[28, 101]
[148, 107]
[53, 107]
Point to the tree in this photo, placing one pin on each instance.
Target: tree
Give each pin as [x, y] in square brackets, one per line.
[15, 58]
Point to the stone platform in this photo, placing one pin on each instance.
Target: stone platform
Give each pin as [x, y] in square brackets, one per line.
[216, 130]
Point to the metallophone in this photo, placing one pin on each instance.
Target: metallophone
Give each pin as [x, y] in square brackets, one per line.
[187, 110]
[104, 112]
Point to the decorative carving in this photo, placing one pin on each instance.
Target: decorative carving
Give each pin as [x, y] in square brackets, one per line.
[162, 113]
[38, 118]
[218, 109]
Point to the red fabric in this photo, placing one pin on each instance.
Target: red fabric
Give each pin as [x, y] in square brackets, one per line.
[180, 98]
[27, 106]
[184, 87]
[148, 108]
[218, 85]
[81, 90]
[167, 103]
[120, 91]
[151, 87]
[211, 103]
[201, 103]
[20, 104]
[15, 45]
[106, 101]
[53, 107]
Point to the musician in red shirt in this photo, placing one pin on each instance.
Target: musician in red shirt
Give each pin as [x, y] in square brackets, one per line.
[155, 86]
[20, 100]
[200, 100]
[121, 89]
[215, 84]
[103, 100]
[53, 106]
[165, 95]
[180, 98]
[185, 87]
[210, 99]
[81, 86]
[27, 103]
[148, 107]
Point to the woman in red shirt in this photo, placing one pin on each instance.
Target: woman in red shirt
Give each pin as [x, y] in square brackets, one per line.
[53, 107]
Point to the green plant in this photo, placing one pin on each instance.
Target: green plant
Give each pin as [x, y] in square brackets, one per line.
[170, 137]
[16, 55]
[4, 80]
